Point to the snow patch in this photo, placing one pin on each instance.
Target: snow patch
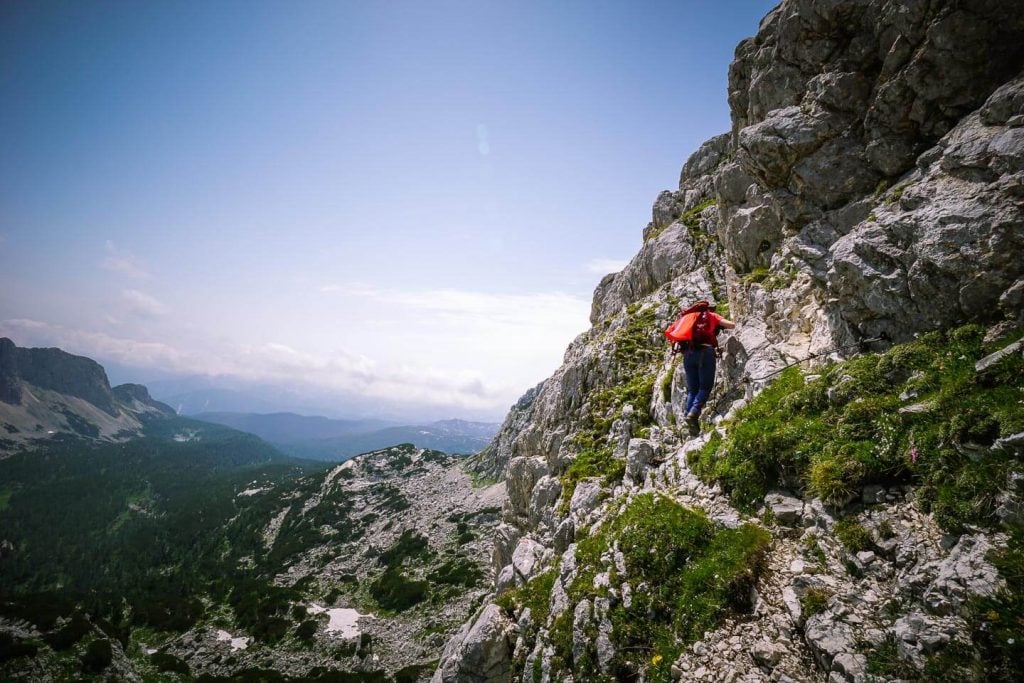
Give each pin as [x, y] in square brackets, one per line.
[236, 643]
[187, 436]
[344, 621]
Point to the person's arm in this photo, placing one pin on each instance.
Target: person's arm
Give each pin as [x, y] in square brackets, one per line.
[725, 324]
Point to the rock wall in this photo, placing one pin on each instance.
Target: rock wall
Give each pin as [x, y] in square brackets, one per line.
[44, 392]
[872, 185]
[55, 370]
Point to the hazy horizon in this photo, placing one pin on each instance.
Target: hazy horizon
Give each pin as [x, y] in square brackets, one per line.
[386, 207]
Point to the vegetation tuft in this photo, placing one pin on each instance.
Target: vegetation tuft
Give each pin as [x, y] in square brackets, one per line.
[814, 601]
[396, 592]
[854, 537]
[997, 622]
[637, 351]
[534, 595]
[691, 219]
[845, 429]
[686, 573]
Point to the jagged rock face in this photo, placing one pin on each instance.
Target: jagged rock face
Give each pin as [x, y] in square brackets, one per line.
[832, 100]
[908, 71]
[871, 185]
[138, 395]
[480, 653]
[62, 372]
[491, 462]
[945, 244]
[10, 388]
[47, 392]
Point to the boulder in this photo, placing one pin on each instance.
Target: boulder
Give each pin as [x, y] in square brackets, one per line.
[639, 455]
[526, 559]
[585, 498]
[828, 636]
[787, 509]
[543, 498]
[480, 653]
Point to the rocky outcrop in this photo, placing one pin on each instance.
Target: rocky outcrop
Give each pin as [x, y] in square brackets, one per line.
[870, 188]
[833, 103]
[10, 386]
[492, 461]
[46, 392]
[137, 396]
[480, 652]
[943, 244]
[60, 371]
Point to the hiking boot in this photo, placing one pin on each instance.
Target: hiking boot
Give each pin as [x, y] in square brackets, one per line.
[693, 423]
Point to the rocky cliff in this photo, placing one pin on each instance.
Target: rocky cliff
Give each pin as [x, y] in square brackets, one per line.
[854, 517]
[44, 392]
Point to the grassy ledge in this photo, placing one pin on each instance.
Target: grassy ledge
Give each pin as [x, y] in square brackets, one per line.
[686, 575]
[637, 352]
[918, 413]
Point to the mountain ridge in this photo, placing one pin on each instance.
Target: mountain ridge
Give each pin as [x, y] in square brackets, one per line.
[324, 438]
[49, 391]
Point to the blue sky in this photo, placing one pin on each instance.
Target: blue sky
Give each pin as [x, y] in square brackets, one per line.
[407, 201]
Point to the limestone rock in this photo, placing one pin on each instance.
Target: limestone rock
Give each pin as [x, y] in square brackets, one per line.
[585, 498]
[638, 457]
[788, 510]
[480, 654]
[827, 637]
[543, 498]
[526, 559]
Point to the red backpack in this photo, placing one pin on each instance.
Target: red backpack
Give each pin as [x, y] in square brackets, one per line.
[696, 326]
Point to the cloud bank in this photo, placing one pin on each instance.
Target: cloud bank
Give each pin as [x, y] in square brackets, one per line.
[460, 341]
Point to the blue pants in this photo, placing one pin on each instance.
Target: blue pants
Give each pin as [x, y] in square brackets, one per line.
[699, 365]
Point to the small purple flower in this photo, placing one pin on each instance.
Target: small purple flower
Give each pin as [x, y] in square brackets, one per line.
[914, 453]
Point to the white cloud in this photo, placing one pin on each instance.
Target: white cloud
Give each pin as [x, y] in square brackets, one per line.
[143, 305]
[26, 332]
[603, 266]
[470, 314]
[341, 372]
[474, 351]
[123, 262]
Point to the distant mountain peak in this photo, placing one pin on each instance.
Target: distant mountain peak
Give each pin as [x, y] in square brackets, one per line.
[47, 391]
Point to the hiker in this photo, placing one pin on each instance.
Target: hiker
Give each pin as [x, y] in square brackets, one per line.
[695, 334]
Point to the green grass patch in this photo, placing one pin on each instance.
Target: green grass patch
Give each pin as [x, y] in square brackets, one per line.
[768, 279]
[843, 430]
[687, 574]
[691, 219]
[757, 275]
[535, 594]
[637, 352]
[666, 383]
[814, 601]
[854, 537]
